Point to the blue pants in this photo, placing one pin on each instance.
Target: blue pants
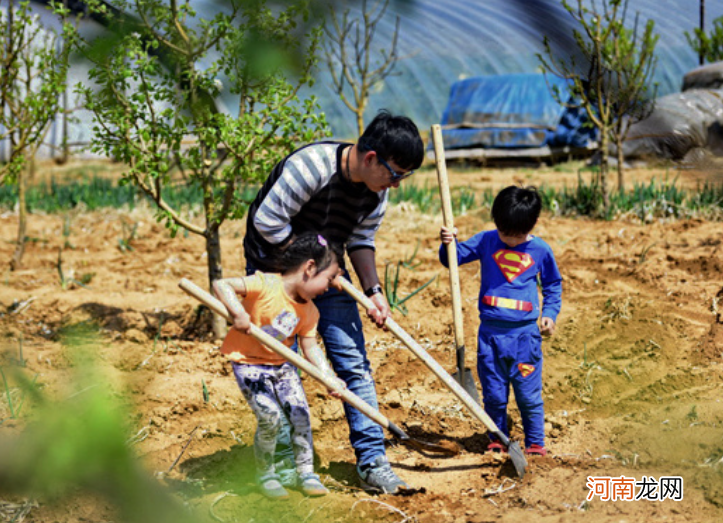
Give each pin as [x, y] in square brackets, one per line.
[341, 329]
[512, 354]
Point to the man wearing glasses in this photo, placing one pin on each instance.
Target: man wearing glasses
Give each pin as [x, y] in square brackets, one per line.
[340, 191]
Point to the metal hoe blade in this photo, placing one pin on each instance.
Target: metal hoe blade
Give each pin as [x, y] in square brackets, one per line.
[515, 452]
[464, 376]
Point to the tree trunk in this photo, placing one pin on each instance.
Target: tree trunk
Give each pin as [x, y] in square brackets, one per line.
[215, 272]
[621, 174]
[17, 261]
[360, 120]
[604, 140]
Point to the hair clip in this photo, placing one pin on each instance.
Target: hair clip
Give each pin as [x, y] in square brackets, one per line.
[322, 241]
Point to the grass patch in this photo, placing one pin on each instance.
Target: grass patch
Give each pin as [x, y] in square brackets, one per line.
[657, 199]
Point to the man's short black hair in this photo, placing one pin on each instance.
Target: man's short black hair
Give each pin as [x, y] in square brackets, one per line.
[516, 209]
[394, 138]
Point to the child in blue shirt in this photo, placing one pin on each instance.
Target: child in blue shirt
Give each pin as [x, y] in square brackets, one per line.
[513, 264]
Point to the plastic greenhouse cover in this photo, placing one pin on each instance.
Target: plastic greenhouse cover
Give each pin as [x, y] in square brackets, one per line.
[679, 122]
[512, 111]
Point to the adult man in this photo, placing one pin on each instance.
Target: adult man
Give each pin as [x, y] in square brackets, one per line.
[340, 190]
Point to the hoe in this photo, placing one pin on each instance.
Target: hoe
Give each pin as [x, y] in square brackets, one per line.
[447, 447]
[516, 454]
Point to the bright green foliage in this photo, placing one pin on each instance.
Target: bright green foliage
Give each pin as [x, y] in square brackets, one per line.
[612, 84]
[33, 73]
[158, 110]
[157, 104]
[709, 46]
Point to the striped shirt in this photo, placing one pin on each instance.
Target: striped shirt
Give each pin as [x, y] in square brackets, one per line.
[306, 192]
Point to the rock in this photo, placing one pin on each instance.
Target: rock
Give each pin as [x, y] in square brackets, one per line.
[393, 398]
[331, 411]
[136, 336]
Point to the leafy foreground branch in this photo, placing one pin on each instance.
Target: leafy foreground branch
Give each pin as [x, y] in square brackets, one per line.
[79, 442]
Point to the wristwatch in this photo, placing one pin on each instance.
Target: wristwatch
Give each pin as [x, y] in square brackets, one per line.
[371, 291]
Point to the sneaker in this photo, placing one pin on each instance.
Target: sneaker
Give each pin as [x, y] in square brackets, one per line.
[286, 470]
[312, 486]
[378, 476]
[271, 487]
[496, 447]
[536, 450]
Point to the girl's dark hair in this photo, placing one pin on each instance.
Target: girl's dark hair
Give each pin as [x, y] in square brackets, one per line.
[516, 209]
[394, 138]
[310, 246]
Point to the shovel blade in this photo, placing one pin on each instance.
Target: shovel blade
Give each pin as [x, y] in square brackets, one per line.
[518, 458]
[465, 378]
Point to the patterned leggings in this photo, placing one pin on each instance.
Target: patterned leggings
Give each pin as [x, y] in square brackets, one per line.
[275, 392]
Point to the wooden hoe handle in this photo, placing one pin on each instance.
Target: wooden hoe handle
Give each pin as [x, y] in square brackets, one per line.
[451, 247]
[282, 350]
[428, 360]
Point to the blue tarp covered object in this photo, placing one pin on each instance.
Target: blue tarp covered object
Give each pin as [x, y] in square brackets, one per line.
[512, 111]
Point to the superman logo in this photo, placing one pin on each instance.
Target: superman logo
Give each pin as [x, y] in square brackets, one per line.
[512, 263]
[525, 369]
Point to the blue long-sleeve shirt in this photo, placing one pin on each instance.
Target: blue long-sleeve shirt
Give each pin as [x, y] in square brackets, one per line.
[508, 290]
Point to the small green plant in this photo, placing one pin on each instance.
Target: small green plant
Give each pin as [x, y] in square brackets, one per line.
[15, 397]
[391, 287]
[206, 395]
[409, 262]
[643, 255]
[693, 414]
[67, 281]
[8, 395]
[129, 234]
[66, 233]
[21, 360]
[86, 278]
[585, 364]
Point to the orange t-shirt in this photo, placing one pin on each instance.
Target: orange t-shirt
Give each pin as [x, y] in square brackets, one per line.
[274, 312]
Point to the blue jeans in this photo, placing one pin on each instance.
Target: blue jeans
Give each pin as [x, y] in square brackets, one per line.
[341, 329]
[511, 354]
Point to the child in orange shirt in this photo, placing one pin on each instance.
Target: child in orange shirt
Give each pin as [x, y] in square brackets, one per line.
[281, 305]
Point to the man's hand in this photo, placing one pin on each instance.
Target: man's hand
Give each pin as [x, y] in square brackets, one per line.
[381, 311]
[547, 327]
[340, 384]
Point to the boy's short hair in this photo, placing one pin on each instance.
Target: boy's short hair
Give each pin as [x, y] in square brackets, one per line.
[516, 209]
[394, 138]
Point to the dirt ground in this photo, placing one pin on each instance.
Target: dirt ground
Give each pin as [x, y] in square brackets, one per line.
[633, 378]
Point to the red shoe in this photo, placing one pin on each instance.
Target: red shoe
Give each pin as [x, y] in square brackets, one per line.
[536, 450]
[496, 447]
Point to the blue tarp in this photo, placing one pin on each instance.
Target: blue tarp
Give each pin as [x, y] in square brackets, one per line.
[512, 111]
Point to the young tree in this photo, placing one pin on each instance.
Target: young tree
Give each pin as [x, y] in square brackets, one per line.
[156, 105]
[709, 46]
[32, 79]
[352, 61]
[612, 84]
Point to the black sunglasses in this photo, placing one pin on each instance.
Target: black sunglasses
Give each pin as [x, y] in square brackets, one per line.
[396, 177]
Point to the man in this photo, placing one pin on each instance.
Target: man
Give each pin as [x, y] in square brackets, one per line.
[340, 190]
